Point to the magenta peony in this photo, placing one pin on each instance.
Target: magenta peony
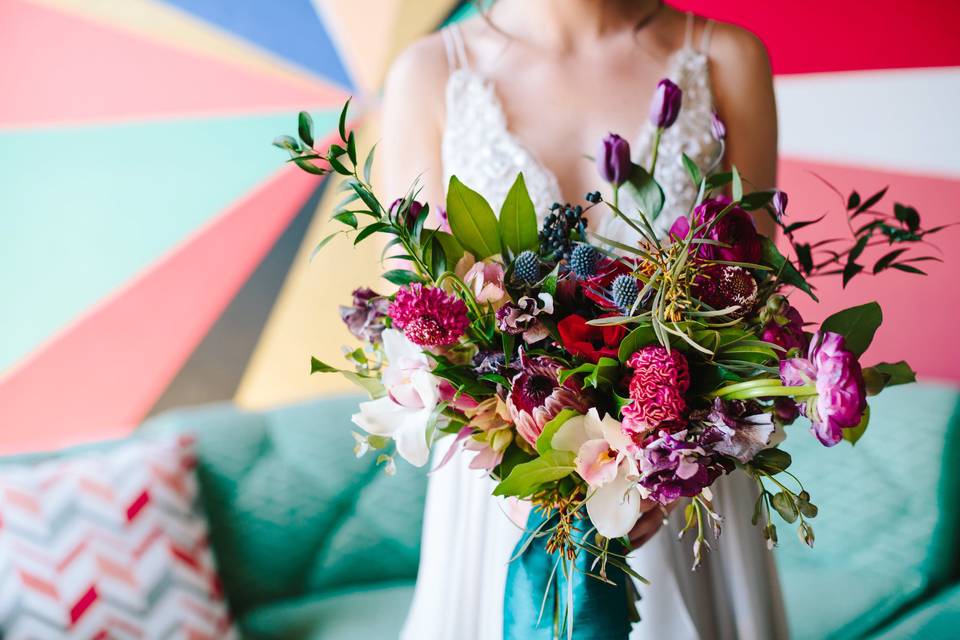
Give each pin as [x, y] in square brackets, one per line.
[841, 393]
[429, 316]
[735, 228]
[537, 396]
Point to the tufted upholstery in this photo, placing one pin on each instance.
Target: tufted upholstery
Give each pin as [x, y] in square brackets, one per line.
[888, 523]
[292, 512]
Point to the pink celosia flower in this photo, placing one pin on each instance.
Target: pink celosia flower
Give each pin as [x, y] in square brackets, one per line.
[660, 380]
[537, 396]
[429, 316]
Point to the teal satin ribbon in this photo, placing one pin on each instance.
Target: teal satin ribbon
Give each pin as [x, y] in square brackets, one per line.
[600, 611]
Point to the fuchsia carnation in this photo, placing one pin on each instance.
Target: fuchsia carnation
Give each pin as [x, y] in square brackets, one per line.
[537, 396]
[429, 316]
[841, 393]
[660, 380]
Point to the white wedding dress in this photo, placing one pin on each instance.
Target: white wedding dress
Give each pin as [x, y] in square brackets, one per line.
[468, 535]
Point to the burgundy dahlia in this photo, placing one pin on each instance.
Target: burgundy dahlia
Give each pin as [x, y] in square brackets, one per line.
[724, 285]
[537, 396]
[429, 316]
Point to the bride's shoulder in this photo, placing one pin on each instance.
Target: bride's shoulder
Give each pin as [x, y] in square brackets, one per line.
[735, 48]
[421, 66]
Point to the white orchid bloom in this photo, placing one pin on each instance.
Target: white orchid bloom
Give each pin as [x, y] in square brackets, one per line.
[603, 461]
[412, 395]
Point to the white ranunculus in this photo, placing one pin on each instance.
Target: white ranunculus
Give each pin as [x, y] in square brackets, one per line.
[412, 395]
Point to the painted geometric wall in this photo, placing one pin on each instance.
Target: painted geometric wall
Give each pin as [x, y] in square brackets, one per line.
[154, 252]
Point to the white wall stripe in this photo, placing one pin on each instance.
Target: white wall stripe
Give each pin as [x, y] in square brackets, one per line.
[902, 120]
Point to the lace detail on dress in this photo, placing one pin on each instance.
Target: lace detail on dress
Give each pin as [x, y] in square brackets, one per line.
[479, 148]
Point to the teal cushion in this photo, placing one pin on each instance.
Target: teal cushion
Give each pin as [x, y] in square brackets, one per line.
[292, 511]
[351, 614]
[936, 619]
[887, 524]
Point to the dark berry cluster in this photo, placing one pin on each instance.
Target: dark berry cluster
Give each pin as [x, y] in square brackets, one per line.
[564, 226]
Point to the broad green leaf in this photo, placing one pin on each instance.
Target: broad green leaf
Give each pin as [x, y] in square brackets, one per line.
[472, 220]
[854, 434]
[604, 373]
[787, 273]
[639, 337]
[526, 478]
[451, 248]
[856, 324]
[545, 440]
[887, 374]
[518, 219]
[646, 191]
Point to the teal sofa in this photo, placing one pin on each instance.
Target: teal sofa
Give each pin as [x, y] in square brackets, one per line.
[314, 543]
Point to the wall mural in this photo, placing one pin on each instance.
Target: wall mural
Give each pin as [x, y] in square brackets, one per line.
[155, 253]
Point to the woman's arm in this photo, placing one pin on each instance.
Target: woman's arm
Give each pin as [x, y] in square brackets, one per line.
[743, 91]
[412, 120]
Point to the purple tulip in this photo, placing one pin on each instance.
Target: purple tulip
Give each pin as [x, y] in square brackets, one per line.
[365, 318]
[666, 104]
[412, 213]
[717, 127]
[779, 203]
[841, 392]
[613, 160]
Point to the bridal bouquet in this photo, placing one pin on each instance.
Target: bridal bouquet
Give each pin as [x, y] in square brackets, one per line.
[595, 378]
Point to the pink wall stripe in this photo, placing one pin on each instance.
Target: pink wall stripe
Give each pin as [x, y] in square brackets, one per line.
[845, 35]
[72, 70]
[101, 375]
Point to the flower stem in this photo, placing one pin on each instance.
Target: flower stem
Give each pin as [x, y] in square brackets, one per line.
[769, 391]
[656, 150]
[749, 384]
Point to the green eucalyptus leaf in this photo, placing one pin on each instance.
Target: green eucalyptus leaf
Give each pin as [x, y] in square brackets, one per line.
[347, 218]
[772, 461]
[737, 188]
[368, 164]
[342, 124]
[305, 128]
[518, 219]
[857, 325]
[692, 170]
[402, 277]
[787, 273]
[472, 220]
[369, 230]
[289, 143]
[309, 167]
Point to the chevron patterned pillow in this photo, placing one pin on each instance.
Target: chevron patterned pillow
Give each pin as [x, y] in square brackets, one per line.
[108, 544]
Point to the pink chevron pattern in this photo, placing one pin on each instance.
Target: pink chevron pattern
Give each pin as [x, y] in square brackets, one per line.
[108, 545]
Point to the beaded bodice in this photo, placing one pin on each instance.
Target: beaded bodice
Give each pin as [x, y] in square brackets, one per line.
[479, 148]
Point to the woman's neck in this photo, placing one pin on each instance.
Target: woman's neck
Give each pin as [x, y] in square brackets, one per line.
[561, 24]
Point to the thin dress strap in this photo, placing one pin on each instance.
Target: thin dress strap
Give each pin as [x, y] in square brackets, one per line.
[705, 37]
[688, 34]
[456, 50]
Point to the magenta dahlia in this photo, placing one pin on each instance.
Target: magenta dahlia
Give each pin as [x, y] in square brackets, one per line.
[537, 396]
[429, 316]
[660, 380]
